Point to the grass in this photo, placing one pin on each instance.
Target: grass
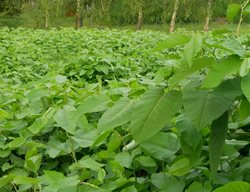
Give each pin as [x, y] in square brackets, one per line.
[70, 22]
[245, 28]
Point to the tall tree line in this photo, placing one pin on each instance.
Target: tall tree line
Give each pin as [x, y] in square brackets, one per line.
[116, 12]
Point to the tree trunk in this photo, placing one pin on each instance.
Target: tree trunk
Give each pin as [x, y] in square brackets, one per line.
[209, 14]
[78, 14]
[172, 24]
[139, 21]
[46, 18]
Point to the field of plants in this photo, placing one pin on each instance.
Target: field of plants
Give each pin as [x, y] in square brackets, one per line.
[107, 110]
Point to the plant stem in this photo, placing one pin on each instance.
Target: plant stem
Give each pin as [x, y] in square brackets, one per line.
[243, 6]
[15, 188]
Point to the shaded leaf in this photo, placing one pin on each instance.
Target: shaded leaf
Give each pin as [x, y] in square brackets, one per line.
[186, 70]
[215, 76]
[217, 138]
[203, 106]
[245, 86]
[161, 146]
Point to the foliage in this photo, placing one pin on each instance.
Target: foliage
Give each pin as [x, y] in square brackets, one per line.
[107, 110]
[111, 12]
[234, 9]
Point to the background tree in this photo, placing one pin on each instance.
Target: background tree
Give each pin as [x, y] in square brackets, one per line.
[172, 23]
[140, 15]
[209, 14]
[78, 14]
[45, 13]
[40, 13]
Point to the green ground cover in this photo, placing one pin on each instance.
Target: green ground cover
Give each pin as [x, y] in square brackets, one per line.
[115, 110]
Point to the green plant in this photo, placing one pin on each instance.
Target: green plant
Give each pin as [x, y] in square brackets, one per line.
[234, 9]
[108, 110]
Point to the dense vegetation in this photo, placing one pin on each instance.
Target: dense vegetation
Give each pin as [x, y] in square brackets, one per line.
[32, 13]
[107, 110]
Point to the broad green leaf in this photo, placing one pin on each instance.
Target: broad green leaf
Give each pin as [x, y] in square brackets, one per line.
[246, 11]
[55, 148]
[117, 115]
[167, 183]
[234, 46]
[92, 104]
[112, 185]
[217, 138]
[162, 74]
[130, 189]
[56, 181]
[154, 110]
[180, 167]
[124, 159]
[5, 153]
[33, 163]
[66, 118]
[234, 186]
[244, 110]
[103, 136]
[146, 161]
[218, 72]
[3, 114]
[115, 140]
[87, 162]
[161, 146]
[245, 86]
[195, 187]
[191, 140]
[40, 123]
[37, 94]
[5, 180]
[245, 67]
[232, 11]
[6, 166]
[101, 175]
[86, 187]
[22, 180]
[186, 71]
[85, 138]
[204, 106]
[192, 48]
[17, 142]
[74, 189]
[172, 40]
